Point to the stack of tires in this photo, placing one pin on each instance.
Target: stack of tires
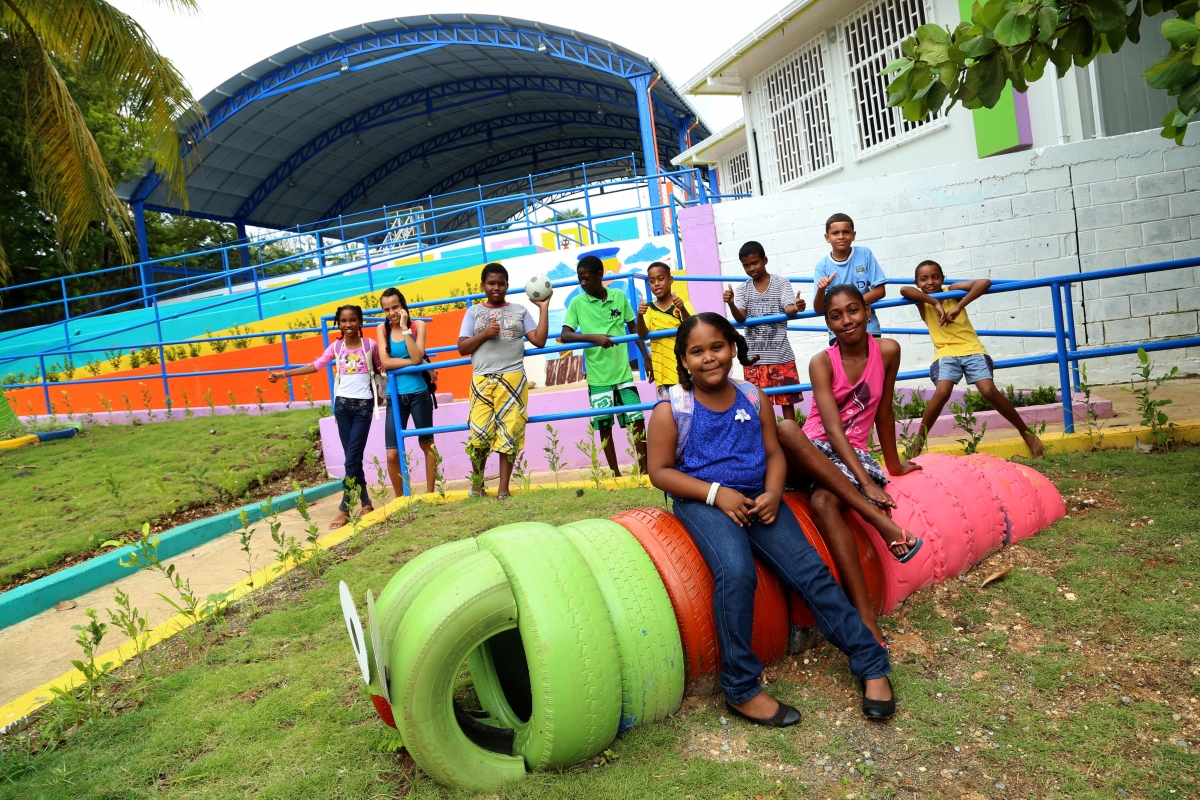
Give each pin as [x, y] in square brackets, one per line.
[574, 633]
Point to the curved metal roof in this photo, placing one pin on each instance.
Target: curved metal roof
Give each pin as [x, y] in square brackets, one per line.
[405, 108]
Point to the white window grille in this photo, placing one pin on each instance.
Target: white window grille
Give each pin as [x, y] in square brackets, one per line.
[794, 120]
[734, 174]
[872, 37]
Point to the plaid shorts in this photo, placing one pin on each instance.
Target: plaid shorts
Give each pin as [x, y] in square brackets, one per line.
[765, 376]
[874, 471]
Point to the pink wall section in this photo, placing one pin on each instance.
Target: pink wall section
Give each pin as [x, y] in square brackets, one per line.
[699, 233]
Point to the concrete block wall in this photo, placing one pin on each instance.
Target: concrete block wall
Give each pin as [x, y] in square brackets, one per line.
[1070, 208]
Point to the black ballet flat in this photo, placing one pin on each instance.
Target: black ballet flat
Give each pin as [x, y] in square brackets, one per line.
[785, 716]
[877, 709]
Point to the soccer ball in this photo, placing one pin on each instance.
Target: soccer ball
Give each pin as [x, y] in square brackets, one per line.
[538, 288]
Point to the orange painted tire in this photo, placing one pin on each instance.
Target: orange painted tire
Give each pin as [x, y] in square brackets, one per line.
[690, 586]
[869, 556]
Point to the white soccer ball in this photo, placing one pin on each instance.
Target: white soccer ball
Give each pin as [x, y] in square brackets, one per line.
[538, 288]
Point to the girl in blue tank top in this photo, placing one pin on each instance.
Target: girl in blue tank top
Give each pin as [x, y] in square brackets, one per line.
[726, 481]
[402, 340]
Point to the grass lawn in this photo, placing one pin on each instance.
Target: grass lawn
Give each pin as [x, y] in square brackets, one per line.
[1062, 679]
[60, 500]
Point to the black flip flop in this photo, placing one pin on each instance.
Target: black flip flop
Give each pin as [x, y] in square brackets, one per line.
[785, 716]
[912, 549]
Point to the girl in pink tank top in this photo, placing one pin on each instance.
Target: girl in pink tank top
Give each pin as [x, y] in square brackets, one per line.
[852, 386]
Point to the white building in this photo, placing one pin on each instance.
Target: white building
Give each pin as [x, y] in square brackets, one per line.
[815, 108]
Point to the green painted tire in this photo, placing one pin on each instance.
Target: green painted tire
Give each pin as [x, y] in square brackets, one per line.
[567, 643]
[398, 596]
[467, 602]
[648, 640]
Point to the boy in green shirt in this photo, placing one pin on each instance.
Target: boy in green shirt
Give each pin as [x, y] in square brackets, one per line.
[599, 314]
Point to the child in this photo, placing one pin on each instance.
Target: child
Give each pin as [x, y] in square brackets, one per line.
[403, 342]
[493, 334]
[849, 264]
[767, 294]
[726, 482]
[599, 314]
[959, 351]
[664, 314]
[852, 384]
[356, 362]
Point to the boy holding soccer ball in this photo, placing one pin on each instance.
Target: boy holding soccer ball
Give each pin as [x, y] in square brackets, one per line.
[493, 334]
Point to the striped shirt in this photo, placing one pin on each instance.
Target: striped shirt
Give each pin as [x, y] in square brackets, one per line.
[770, 341]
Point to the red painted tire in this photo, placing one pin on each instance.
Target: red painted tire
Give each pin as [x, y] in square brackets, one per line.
[1019, 498]
[869, 556]
[979, 500]
[690, 586]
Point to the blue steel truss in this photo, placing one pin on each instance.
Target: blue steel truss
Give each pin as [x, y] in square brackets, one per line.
[511, 125]
[355, 55]
[392, 110]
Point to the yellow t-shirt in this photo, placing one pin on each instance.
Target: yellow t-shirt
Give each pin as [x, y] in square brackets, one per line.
[956, 339]
[662, 351]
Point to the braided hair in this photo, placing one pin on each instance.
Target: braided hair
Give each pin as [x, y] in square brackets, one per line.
[727, 331]
[353, 309]
[387, 325]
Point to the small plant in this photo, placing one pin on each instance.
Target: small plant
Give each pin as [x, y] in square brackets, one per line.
[187, 406]
[910, 443]
[591, 451]
[240, 344]
[208, 400]
[1091, 417]
[169, 353]
[439, 475]
[113, 357]
[1153, 416]
[964, 420]
[105, 404]
[270, 338]
[150, 355]
[478, 465]
[369, 301]
[227, 483]
[164, 492]
[554, 452]
[67, 402]
[245, 537]
[287, 550]
[380, 491]
[194, 350]
[69, 368]
[354, 513]
[189, 605]
[218, 345]
[307, 388]
[128, 407]
[233, 406]
[52, 375]
[147, 399]
[135, 359]
[90, 636]
[93, 367]
[313, 564]
[635, 438]
[133, 624]
[522, 473]
[262, 402]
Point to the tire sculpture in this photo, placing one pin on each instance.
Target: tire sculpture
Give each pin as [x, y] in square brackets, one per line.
[576, 633]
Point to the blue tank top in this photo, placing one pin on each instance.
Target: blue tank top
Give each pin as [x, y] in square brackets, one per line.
[726, 447]
[406, 383]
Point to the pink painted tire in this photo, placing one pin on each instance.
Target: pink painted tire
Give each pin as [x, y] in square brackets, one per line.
[980, 501]
[1019, 498]
[1053, 507]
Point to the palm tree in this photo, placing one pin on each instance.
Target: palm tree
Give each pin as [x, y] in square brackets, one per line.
[69, 174]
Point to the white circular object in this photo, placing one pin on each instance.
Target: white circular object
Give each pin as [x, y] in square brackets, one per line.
[355, 629]
[538, 288]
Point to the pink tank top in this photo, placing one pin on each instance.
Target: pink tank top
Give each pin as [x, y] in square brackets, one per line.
[857, 403]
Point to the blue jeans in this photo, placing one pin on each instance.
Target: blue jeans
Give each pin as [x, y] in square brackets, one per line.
[354, 423]
[782, 548]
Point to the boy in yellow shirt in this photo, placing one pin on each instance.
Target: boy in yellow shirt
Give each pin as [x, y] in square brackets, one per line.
[959, 352]
[666, 312]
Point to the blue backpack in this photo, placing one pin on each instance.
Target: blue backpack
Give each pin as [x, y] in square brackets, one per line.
[683, 401]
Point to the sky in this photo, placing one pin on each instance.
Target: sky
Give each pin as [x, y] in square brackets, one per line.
[230, 35]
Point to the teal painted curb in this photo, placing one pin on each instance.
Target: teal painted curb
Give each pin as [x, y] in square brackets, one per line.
[23, 602]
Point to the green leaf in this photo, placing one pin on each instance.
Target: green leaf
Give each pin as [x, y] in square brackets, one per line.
[1105, 15]
[935, 32]
[1180, 32]
[992, 12]
[978, 47]
[1172, 70]
[934, 53]
[1113, 40]
[1153, 8]
[1047, 22]
[936, 96]
[1012, 30]
[895, 65]
[991, 80]
[1060, 56]
[1134, 29]
[1189, 101]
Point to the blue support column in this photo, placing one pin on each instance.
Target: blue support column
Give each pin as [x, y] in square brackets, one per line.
[145, 273]
[641, 88]
[243, 238]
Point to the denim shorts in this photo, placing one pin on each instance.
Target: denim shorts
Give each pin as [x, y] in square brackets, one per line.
[978, 367]
[419, 406]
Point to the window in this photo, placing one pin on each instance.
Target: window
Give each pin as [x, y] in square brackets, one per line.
[872, 37]
[734, 174]
[794, 119]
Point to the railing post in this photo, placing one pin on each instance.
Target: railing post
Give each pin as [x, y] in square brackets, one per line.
[162, 355]
[1064, 375]
[328, 368]
[66, 316]
[1073, 345]
[225, 263]
[45, 383]
[587, 208]
[257, 296]
[286, 366]
[320, 253]
[367, 255]
[394, 410]
[482, 235]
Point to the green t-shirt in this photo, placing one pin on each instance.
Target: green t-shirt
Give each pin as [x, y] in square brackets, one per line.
[606, 366]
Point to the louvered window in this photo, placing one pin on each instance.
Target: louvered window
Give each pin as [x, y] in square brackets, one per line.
[871, 39]
[795, 126]
[735, 173]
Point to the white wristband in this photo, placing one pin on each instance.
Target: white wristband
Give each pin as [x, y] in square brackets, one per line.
[712, 493]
